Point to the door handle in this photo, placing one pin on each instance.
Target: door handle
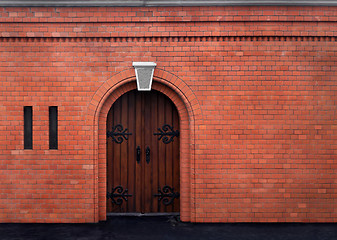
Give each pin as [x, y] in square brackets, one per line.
[147, 151]
[138, 154]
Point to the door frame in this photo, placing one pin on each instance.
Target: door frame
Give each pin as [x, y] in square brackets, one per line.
[189, 113]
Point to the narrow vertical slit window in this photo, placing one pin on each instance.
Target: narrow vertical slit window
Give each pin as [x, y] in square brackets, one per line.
[28, 127]
[53, 144]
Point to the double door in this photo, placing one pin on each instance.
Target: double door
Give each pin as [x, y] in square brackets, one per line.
[143, 154]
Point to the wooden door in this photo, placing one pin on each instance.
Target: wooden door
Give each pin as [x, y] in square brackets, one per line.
[143, 154]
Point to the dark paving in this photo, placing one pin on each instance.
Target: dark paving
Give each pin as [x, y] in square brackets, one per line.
[162, 228]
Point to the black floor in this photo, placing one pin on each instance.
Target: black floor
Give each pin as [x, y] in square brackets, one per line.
[162, 228]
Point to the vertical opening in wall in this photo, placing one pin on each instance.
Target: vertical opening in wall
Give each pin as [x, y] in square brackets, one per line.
[28, 127]
[143, 155]
[53, 143]
[106, 96]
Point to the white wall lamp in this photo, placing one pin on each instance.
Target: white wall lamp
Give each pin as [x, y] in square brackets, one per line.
[144, 74]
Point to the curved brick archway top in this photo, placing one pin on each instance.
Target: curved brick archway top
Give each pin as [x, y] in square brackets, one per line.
[189, 113]
[161, 76]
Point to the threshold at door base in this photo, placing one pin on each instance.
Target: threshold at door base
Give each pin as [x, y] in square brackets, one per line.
[142, 214]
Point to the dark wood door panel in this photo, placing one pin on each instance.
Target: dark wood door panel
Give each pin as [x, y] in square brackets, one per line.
[167, 164]
[142, 117]
[121, 168]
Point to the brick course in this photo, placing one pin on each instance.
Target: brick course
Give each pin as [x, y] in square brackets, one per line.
[255, 88]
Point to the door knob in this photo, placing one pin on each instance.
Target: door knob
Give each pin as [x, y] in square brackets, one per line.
[138, 154]
[147, 151]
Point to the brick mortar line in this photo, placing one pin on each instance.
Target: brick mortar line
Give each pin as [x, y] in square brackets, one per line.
[172, 39]
[163, 21]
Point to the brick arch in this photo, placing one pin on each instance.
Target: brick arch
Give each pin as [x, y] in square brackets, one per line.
[189, 113]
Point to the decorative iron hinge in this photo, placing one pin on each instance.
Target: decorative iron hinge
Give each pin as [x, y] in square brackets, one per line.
[167, 195]
[120, 195]
[167, 133]
[118, 133]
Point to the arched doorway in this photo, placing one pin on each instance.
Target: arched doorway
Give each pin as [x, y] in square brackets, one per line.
[143, 154]
[190, 115]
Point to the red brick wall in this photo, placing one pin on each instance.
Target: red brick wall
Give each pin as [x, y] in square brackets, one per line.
[262, 87]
